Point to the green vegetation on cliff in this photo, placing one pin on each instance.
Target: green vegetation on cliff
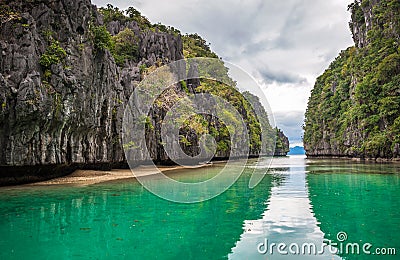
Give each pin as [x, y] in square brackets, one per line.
[354, 108]
[112, 14]
[195, 46]
[124, 47]
[53, 55]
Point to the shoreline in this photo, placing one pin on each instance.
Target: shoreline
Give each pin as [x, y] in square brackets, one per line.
[85, 177]
[90, 177]
[79, 173]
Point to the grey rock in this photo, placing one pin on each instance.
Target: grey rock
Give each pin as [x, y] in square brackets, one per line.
[74, 116]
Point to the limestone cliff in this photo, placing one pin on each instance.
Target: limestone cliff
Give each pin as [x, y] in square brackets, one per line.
[277, 143]
[282, 144]
[66, 71]
[354, 108]
[66, 111]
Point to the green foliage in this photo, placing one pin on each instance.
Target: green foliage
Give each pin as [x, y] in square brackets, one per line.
[102, 39]
[142, 68]
[81, 47]
[54, 54]
[47, 74]
[197, 123]
[130, 146]
[195, 46]
[355, 104]
[58, 103]
[184, 86]
[111, 13]
[357, 15]
[237, 100]
[389, 67]
[148, 124]
[281, 143]
[376, 145]
[184, 140]
[223, 146]
[135, 15]
[125, 46]
[166, 29]
[132, 12]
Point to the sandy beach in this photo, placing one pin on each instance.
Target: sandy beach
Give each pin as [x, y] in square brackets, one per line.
[89, 177]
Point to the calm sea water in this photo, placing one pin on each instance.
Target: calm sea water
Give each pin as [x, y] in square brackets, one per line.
[299, 202]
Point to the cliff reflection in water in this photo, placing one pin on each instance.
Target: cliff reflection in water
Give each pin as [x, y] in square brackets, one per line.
[361, 199]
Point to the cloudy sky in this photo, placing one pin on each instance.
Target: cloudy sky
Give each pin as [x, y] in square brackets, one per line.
[284, 45]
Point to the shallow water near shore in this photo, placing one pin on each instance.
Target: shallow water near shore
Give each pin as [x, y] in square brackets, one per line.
[299, 201]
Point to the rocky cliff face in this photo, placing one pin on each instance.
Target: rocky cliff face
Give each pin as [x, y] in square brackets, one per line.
[276, 141]
[361, 21]
[66, 115]
[63, 85]
[70, 112]
[354, 106]
[282, 144]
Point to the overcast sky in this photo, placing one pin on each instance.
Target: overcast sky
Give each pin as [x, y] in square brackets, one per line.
[284, 45]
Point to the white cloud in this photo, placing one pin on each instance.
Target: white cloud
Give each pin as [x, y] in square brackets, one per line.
[285, 45]
[287, 97]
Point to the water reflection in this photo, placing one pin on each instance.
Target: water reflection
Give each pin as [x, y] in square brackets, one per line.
[123, 220]
[339, 166]
[298, 201]
[361, 199]
[287, 219]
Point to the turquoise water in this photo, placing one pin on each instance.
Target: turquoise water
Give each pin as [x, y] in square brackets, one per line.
[123, 220]
[359, 200]
[298, 201]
